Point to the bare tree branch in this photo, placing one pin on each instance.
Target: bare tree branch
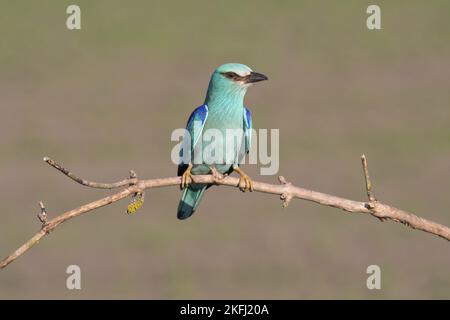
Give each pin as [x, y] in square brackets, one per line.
[135, 188]
[98, 185]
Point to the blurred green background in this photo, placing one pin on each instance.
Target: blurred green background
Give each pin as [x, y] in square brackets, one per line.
[105, 99]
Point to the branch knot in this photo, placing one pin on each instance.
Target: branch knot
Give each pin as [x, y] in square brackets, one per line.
[286, 196]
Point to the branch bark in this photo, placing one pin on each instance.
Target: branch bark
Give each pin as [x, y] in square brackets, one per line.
[133, 187]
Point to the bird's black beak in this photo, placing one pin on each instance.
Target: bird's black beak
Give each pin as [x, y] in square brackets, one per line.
[255, 77]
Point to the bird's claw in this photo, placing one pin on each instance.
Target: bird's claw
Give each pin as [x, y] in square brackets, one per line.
[186, 178]
[245, 183]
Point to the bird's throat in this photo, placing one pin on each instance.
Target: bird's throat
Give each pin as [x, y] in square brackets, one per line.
[225, 99]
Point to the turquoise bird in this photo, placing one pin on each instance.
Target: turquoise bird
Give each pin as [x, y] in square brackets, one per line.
[222, 112]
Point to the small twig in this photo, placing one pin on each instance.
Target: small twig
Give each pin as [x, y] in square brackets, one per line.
[286, 190]
[98, 185]
[368, 181]
[133, 176]
[42, 215]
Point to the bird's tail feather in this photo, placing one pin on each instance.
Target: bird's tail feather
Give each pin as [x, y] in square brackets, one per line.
[190, 199]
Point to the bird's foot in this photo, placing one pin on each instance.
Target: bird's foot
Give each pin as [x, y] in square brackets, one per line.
[245, 182]
[217, 176]
[186, 177]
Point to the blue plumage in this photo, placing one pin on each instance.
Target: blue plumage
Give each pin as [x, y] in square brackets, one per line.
[199, 115]
[222, 111]
[247, 129]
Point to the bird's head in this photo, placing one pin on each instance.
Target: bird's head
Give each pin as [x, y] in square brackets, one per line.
[237, 74]
[232, 78]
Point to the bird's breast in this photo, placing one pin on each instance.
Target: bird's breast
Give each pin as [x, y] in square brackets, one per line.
[222, 138]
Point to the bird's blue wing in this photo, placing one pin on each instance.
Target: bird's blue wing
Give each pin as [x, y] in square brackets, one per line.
[196, 123]
[247, 129]
[194, 126]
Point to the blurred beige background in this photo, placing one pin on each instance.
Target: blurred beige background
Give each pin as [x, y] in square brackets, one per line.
[105, 99]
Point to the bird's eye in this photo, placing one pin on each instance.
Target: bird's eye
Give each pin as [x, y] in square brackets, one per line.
[231, 75]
